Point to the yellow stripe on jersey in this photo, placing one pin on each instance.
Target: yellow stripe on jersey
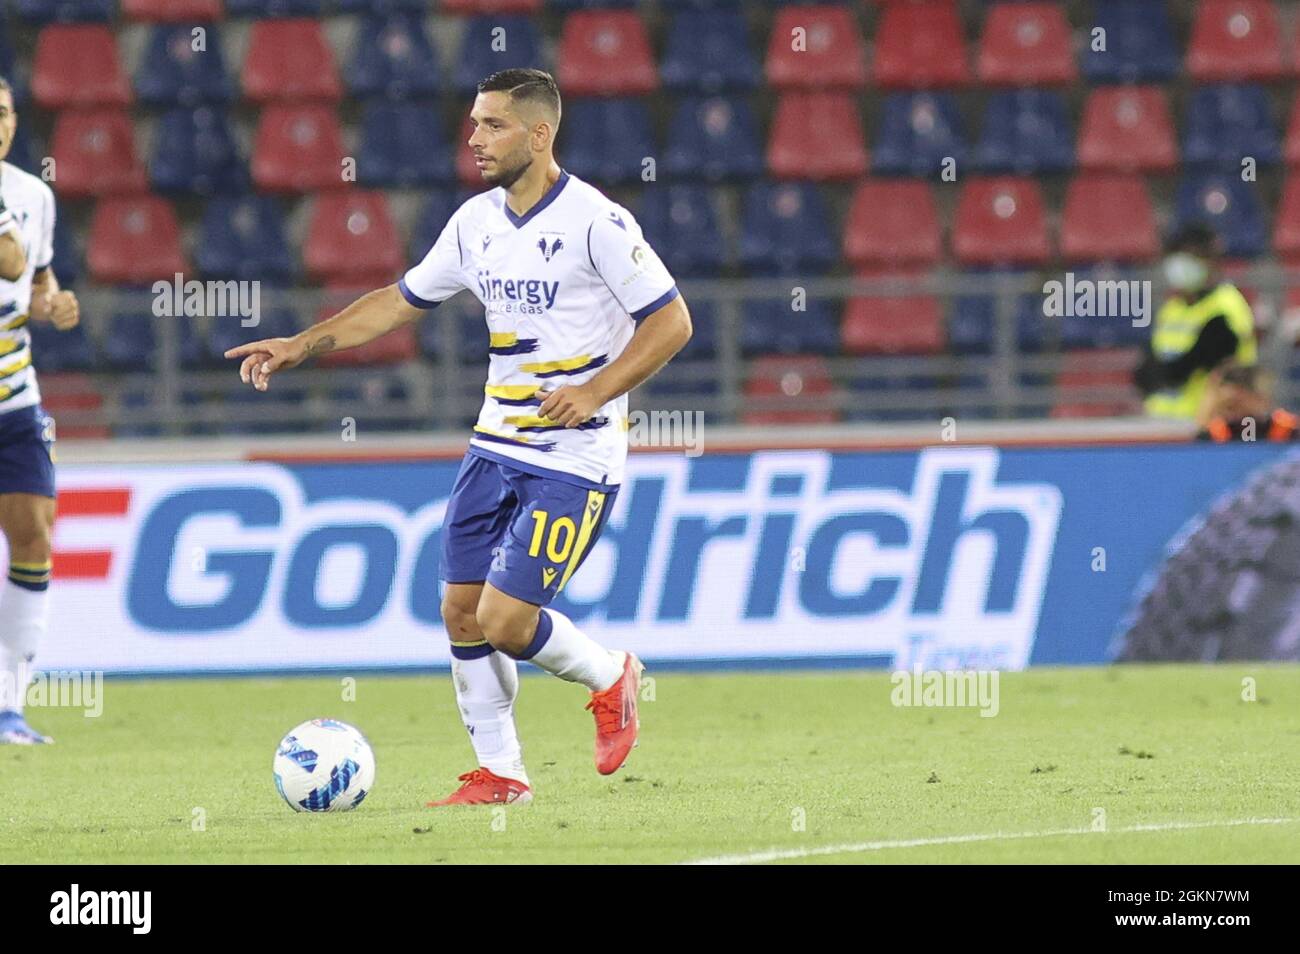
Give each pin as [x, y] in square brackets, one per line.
[564, 364]
[590, 518]
[11, 345]
[502, 339]
[16, 366]
[13, 323]
[510, 437]
[511, 392]
[530, 420]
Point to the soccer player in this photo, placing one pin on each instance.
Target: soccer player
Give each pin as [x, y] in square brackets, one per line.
[28, 291]
[580, 310]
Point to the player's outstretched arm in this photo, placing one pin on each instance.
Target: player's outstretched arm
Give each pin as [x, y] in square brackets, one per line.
[658, 337]
[370, 316]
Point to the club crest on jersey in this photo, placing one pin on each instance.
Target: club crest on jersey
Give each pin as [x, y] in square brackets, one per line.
[549, 250]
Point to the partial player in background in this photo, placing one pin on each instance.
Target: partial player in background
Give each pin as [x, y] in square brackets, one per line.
[579, 310]
[28, 291]
[1238, 407]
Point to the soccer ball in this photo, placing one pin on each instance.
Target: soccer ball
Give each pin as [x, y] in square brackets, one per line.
[324, 766]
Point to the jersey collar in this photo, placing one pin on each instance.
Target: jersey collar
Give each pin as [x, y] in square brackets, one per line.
[553, 193]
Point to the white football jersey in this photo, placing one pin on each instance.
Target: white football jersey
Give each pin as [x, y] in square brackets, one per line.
[30, 204]
[563, 286]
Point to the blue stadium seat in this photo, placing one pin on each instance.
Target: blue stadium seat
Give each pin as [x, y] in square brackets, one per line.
[1139, 43]
[1025, 131]
[1228, 205]
[173, 73]
[786, 229]
[1224, 124]
[437, 211]
[771, 326]
[194, 151]
[227, 333]
[189, 342]
[402, 144]
[273, 9]
[243, 237]
[393, 58]
[918, 131]
[700, 4]
[568, 5]
[382, 7]
[480, 54]
[363, 397]
[67, 257]
[259, 412]
[130, 342]
[21, 153]
[709, 52]
[676, 382]
[972, 323]
[713, 138]
[130, 426]
[8, 65]
[54, 350]
[703, 342]
[607, 139]
[682, 227]
[65, 11]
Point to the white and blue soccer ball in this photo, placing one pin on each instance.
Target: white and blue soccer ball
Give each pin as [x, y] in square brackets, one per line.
[324, 766]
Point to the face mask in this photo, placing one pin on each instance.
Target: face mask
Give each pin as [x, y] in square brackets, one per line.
[1185, 272]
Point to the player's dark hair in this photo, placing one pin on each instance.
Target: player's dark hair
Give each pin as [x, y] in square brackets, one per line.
[1245, 376]
[1195, 237]
[525, 85]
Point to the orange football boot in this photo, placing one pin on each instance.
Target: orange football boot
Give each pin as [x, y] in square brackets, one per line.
[616, 720]
[486, 788]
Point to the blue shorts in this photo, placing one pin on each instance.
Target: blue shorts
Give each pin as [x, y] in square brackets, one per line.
[523, 533]
[27, 452]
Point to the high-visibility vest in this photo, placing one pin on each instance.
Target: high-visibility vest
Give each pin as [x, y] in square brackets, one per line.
[1177, 326]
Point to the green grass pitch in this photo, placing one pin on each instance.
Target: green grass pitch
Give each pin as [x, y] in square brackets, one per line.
[818, 765]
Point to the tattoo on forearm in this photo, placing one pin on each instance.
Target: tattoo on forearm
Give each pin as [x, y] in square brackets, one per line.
[321, 345]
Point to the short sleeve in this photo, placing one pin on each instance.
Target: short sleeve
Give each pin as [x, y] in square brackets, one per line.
[437, 277]
[45, 253]
[629, 266]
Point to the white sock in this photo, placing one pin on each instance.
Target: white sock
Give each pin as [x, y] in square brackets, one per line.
[563, 650]
[23, 614]
[485, 693]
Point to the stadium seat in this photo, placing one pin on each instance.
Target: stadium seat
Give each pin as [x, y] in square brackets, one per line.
[1229, 206]
[298, 148]
[972, 324]
[351, 234]
[894, 223]
[130, 342]
[227, 333]
[477, 8]
[67, 256]
[787, 385]
[396, 347]
[606, 140]
[817, 47]
[1077, 376]
[1000, 221]
[172, 11]
[370, 397]
[605, 53]
[1286, 230]
[1108, 218]
[64, 11]
[681, 225]
[918, 132]
[1127, 129]
[243, 238]
[77, 65]
[772, 326]
[402, 145]
[289, 60]
[1139, 43]
[1112, 330]
[439, 206]
[708, 51]
[817, 136]
[18, 78]
[94, 154]
[393, 58]
[920, 46]
[134, 241]
[1291, 146]
[481, 53]
[905, 323]
[786, 230]
[703, 342]
[713, 138]
[55, 350]
[194, 151]
[1235, 40]
[268, 9]
[173, 73]
[1026, 44]
[1025, 131]
[1224, 124]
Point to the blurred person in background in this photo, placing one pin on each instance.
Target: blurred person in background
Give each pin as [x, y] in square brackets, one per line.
[1237, 406]
[1204, 321]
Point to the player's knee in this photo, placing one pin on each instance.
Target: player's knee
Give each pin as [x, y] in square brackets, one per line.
[461, 622]
[502, 631]
[29, 542]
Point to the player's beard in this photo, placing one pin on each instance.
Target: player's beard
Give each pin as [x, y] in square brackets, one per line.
[511, 174]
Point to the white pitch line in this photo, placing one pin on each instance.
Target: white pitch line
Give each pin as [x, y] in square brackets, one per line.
[760, 857]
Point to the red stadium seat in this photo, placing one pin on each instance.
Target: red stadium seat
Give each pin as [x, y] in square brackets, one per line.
[474, 8]
[351, 234]
[920, 46]
[299, 148]
[1026, 44]
[892, 221]
[397, 347]
[77, 65]
[1291, 148]
[172, 11]
[1235, 40]
[1075, 375]
[94, 154]
[66, 393]
[829, 53]
[1000, 221]
[289, 60]
[817, 136]
[1286, 230]
[903, 324]
[792, 382]
[1127, 129]
[134, 241]
[606, 53]
[1108, 218]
